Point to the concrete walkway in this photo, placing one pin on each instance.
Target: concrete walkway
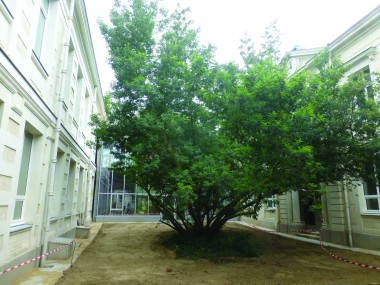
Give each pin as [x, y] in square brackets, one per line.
[309, 240]
[53, 269]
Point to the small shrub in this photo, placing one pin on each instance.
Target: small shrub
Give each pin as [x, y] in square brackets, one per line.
[225, 244]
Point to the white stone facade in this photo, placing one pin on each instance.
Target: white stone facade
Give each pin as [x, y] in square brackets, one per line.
[49, 87]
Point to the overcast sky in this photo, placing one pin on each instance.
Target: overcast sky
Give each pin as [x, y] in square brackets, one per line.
[303, 23]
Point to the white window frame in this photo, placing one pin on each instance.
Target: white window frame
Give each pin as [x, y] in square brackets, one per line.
[7, 8]
[367, 197]
[270, 203]
[21, 197]
[41, 24]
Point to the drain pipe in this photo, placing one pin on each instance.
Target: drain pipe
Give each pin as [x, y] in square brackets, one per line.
[88, 189]
[348, 216]
[278, 212]
[57, 131]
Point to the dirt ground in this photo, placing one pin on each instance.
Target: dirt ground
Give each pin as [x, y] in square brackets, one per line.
[131, 254]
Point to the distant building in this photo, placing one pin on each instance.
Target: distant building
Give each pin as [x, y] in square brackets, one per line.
[117, 199]
[350, 217]
[49, 87]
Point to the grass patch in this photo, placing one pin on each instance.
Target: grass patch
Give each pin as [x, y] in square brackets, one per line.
[225, 244]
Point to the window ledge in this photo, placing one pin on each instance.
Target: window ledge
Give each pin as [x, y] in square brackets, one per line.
[270, 209]
[39, 65]
[20, 228]
[374, 213]
[53, 219]
[6, 13]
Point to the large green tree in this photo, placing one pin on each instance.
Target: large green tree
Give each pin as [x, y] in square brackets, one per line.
[164, 134]
[209, 142]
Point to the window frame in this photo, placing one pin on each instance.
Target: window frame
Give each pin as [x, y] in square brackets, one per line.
[7, 9]
[40, 31]
[21, 195]
[367, 197]
[270, 203]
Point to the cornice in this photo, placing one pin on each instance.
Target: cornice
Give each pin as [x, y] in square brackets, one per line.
[83, 35]
[366, 54]
[363, 26]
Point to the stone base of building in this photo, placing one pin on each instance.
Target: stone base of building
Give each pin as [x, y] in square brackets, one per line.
[11, 276]
[64, 253]
[360, 240]
[82, 232]
[128, 219]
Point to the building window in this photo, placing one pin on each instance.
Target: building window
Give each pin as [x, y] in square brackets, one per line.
[1, 111]
[41, 27]
[292, 65]
[118, 196]
[60, 183]
[23, 178]
[371, 183]
[372, 197]
[270, 203]
[9, 6]
[70, 188]
[368, 92]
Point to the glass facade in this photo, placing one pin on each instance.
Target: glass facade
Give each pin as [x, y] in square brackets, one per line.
[117, 196]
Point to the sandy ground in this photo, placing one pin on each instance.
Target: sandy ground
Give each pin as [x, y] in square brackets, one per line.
[131, 254]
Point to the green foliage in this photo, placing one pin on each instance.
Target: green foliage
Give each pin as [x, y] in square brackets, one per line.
[270, 48]
[339, 120]
[224, 245]
[260, 116]
[210, 142]
[159, 121]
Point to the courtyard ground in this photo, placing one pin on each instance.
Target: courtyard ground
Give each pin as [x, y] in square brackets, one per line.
[132, 254]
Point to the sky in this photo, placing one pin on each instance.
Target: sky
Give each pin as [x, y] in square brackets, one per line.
[302, 23]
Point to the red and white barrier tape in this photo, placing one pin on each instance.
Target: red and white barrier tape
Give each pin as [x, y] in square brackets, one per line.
[303, 231]
[324, 249]
[343, 259]
[350, 262]
[35, 259]
[274, 231]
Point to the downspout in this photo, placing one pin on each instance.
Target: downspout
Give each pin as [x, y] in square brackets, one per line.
[278, 211]
[348, 216]
[84, 214]
[57, 131]
[95, 192]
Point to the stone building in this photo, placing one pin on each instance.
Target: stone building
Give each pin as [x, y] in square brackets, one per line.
[350, 216]
[49, 87]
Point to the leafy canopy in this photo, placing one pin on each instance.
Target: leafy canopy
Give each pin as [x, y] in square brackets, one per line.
[209, 142]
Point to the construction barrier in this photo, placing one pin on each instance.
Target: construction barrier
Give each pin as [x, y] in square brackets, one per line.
[343, 259]
[323, 247]
[36, 258]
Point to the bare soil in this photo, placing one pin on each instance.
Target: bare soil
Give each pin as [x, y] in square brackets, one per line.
[124, 253]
